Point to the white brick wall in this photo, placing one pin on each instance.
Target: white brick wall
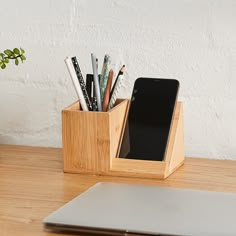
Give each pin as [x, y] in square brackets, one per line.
[193, 41]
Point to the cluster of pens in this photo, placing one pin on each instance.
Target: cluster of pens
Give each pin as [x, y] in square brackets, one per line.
[97, 94]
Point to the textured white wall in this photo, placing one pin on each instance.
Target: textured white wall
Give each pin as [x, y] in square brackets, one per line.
[193, 41]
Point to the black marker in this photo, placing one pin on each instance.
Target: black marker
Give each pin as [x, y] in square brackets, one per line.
[89, 82]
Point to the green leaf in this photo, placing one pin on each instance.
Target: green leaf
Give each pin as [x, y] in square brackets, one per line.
[1, 55]
[6, 60]
[23, 57]
[16, 51]
[9, 52]
[17, 62]
[3, 66]
[22, 50]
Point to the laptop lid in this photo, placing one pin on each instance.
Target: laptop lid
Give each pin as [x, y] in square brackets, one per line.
[124, 209]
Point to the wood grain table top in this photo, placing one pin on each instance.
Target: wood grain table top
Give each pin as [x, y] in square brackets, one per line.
[32, 185]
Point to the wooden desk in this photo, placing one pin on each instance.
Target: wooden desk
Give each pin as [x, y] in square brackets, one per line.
[32, 185]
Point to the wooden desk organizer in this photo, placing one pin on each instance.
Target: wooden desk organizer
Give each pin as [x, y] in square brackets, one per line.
[91, 140]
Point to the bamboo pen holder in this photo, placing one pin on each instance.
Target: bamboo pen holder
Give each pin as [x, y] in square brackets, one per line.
[91, 140]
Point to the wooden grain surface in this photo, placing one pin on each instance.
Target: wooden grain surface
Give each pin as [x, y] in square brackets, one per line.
[90, 138]
[174, 155]
[32, 185]
[91, 141]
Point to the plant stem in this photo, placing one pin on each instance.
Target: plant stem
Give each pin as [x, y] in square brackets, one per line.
[8, 57]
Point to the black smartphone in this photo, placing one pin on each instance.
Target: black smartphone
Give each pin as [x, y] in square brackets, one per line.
[149, 119]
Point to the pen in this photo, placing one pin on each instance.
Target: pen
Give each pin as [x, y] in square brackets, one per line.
[104, 74]
[76, 83]
[96, 82]
[97, 64]
[81, 82]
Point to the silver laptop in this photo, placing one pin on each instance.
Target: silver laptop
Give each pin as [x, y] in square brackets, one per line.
[124, 209]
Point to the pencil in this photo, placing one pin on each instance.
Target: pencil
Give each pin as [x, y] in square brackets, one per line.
[107, 91]
[121, 72]
[119, 84]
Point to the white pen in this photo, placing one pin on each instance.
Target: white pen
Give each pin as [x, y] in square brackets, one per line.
[75, 81]
[96, 82]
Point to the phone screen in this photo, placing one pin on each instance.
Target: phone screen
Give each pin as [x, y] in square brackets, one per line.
[149, 119]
